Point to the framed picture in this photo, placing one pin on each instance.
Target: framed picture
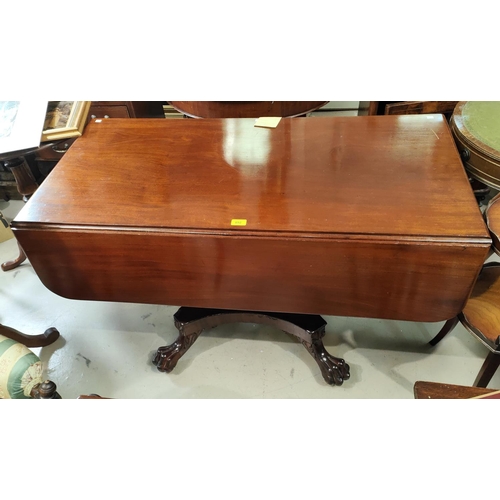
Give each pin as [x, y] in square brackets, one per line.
[20, 124]
[65, 119]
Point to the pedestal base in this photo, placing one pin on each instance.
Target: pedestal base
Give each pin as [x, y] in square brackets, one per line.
[309, 329]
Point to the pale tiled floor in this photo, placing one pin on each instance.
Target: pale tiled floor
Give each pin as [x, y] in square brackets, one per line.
[106, 348]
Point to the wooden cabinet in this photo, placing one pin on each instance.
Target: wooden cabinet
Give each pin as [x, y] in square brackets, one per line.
[108, 111]
[126, 109]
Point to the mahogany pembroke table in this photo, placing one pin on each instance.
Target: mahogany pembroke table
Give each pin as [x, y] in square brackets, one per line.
[353, 216]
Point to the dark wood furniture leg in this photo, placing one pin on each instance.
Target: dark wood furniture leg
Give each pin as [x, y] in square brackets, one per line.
[490, 365]
[26, 185]
[447, 328]
[48, 337]
[309, 329]
[45, 390]
[479, 189]
[12, 264]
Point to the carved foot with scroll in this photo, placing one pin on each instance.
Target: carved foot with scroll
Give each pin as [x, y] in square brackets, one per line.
[48, 337]
[12, 264]
[334, 370]
[166, 357]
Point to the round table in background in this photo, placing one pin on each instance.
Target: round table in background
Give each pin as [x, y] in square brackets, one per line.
[245, 109]
[476, 128]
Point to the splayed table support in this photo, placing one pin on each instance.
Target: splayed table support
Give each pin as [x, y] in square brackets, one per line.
[309, 329]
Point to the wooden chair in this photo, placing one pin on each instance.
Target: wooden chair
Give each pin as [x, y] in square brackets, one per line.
[481, 315]
[26, 185]
[492, 217]
[436, 390]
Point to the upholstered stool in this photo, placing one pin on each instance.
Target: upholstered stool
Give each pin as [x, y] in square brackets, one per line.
[21, 373]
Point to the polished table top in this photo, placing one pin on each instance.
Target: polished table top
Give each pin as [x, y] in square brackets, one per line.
[356, 216]
[355, 175]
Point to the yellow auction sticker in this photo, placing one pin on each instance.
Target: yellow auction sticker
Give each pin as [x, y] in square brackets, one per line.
[238, 222]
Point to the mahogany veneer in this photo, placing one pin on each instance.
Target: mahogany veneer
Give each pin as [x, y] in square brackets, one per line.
[245, 109]
[357, 216]
[435, 390]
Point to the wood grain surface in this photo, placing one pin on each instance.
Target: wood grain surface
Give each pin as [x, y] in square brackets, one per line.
[492, 215]
[482, 313]
[368, 278]
[378, 175]
[245, 109]
[420, 107]
[358, 216]
[435, 390]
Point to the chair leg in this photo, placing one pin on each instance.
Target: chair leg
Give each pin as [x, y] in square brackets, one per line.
[48, 337]
[12, 264]
[447, 328]
[488, 369]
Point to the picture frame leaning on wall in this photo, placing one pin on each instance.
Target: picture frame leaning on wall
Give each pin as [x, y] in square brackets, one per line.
[65, 119]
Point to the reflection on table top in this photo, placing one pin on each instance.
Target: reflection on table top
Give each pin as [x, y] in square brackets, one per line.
[382, 175]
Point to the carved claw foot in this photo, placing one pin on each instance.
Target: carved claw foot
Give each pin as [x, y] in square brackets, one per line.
[166, 357]
[334, 370]
[308, 328]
